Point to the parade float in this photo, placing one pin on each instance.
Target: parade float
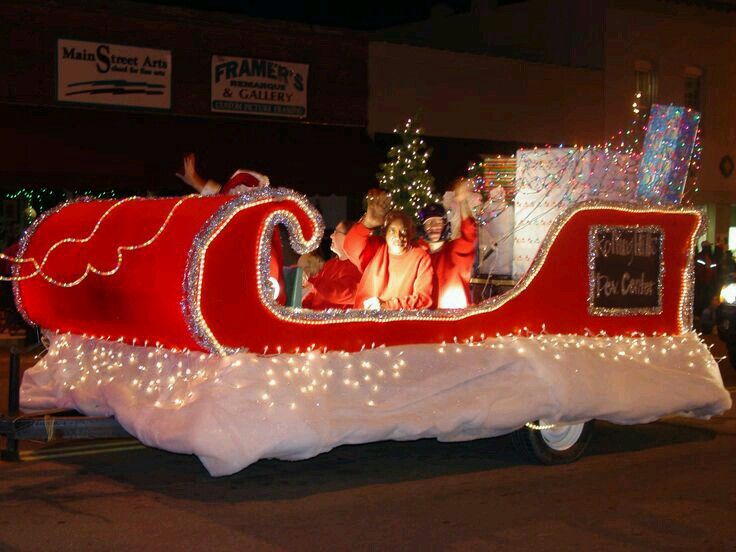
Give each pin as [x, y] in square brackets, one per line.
[162, 314]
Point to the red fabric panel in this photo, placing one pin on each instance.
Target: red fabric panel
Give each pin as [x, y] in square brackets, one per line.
[230, 303]
[143, 299]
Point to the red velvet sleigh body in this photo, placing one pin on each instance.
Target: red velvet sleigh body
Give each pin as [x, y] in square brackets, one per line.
[192, 273]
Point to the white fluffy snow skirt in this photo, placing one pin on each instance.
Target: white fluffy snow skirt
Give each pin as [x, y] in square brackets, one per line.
[234, 410]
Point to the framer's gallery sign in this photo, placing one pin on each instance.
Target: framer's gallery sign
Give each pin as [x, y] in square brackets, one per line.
[111, 74]
[256, 86]
[625, 264]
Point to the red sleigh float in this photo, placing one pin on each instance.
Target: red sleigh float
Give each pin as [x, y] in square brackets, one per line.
[192, 273]
[133, 287]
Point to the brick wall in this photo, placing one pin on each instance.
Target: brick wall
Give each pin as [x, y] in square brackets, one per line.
[338, 85]
[47, 143]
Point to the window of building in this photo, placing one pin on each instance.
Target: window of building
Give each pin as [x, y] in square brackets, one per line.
[646, 84]
[694, 87]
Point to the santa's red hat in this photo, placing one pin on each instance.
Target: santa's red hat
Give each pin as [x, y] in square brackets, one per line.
[247, 179]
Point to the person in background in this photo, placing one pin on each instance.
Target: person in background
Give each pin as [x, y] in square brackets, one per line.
[334, 286]
[396, 274]
[718, 251]
[728, 266]
[452, 260]
[241, 181]
[706, 277]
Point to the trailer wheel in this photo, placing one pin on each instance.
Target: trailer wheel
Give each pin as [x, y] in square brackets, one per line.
[550, 444]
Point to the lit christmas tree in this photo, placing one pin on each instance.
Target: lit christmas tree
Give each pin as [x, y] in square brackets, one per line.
[405, 176]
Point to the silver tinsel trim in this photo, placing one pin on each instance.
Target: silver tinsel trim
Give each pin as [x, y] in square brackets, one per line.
[191, 307]
[688, 283]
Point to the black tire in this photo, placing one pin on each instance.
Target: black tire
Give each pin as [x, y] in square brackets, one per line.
[531, 444]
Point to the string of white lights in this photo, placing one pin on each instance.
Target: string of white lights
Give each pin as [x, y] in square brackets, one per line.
[90, 268]
[172, 377]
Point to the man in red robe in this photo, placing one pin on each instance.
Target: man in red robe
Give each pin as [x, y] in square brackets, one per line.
[335, 284]
[452, 260]
[396, 274]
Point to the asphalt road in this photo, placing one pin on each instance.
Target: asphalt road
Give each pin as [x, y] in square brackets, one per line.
[669, 485]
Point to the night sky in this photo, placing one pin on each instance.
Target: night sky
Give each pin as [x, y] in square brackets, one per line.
[359, 15]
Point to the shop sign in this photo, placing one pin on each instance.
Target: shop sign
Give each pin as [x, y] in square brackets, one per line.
[625, 264]
[111, 74]
[255, 86]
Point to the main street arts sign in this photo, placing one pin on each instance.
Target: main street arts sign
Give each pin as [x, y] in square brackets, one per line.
[256, 86]
[111, 74]
[625, 264]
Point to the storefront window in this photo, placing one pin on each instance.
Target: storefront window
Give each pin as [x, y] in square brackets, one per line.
[645, 84]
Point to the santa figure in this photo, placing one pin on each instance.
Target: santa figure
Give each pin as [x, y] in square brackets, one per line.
[240, 182]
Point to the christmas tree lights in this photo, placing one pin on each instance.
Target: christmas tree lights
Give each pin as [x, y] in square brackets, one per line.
[405, 176]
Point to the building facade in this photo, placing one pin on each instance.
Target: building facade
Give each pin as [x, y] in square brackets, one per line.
[498, 77]
[580, 64]
[48, 141]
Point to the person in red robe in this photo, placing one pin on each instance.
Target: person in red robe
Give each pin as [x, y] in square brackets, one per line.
[452, 260]
[334, 286]
[240, 182]
[396, 274]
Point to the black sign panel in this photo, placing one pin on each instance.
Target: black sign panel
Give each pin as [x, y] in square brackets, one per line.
[625, 264]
